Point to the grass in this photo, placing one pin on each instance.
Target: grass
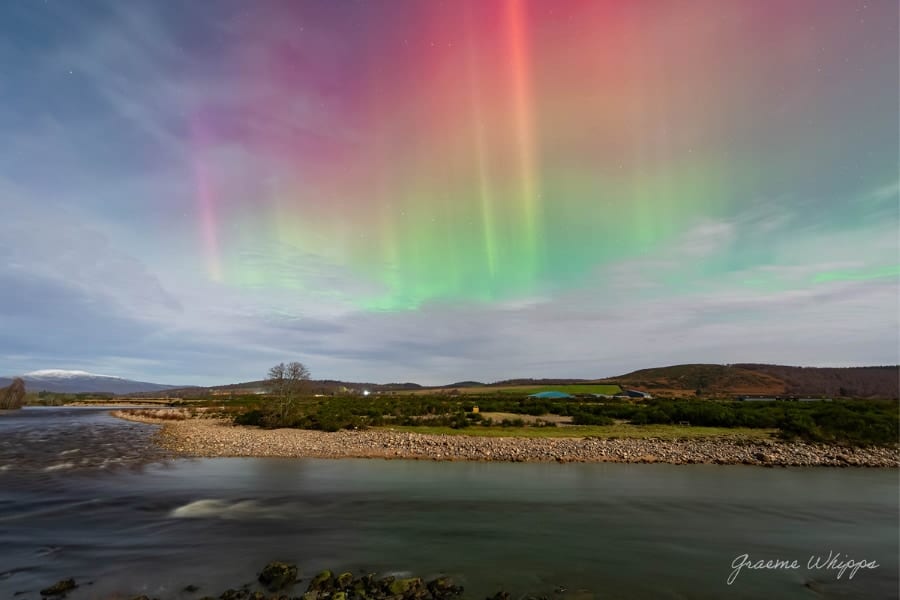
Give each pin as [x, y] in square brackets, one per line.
[525, 390]
[619, 430]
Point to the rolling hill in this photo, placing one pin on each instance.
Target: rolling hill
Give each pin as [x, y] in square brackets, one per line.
[737, 379]
[675, 381]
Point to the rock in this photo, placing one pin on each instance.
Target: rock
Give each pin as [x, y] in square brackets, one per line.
[278, 575]
[364, 586]
[323, 582]
[383, 586]
[408, 588]
[60, 588]
[442, 588]
[344, 581]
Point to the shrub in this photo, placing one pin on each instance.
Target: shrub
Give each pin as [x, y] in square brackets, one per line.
[251, 417]
[585, 418]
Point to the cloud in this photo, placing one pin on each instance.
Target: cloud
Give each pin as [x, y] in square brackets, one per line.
[100, 308]
[103, 266]
[54, 246]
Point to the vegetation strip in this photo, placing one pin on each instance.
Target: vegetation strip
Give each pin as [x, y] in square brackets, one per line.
[847, 422]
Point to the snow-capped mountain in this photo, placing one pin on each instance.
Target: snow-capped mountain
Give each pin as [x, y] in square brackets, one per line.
[68, 381]
[63, 374]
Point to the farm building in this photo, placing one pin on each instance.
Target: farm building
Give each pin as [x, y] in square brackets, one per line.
[551, 395]
[637, 394]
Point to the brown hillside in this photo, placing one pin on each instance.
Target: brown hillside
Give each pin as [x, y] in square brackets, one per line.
[854, 382]
[681, 380]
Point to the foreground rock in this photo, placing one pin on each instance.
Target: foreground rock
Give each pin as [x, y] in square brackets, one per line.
[326, 585]
[212, 438]
[60, 588]
[278, 575]
[279, 578]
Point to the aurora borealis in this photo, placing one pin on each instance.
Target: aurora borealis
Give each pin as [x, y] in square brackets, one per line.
[434, 190]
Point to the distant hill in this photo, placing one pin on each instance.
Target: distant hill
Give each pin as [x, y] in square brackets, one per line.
[675, 380]
[866, 382]
[316, 386]
[77, 382]
[517, 382]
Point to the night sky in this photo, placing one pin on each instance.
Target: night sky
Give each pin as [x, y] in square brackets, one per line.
[433, 191]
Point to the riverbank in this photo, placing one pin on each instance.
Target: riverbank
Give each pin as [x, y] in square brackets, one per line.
[206, 437]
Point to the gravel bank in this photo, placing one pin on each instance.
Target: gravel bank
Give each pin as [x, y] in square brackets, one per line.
[217, 438]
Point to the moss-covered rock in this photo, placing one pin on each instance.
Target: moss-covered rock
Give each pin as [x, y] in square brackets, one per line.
[383, 585]
[443, 588]
[344, 581]
[60, 588]
[365, 583]
[323, 582]
[278, 575]
[410, 587]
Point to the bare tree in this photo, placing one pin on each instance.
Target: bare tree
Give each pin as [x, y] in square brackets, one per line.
[13, 396]
[286, 382]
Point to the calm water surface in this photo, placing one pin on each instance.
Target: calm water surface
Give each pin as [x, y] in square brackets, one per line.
[85, 495]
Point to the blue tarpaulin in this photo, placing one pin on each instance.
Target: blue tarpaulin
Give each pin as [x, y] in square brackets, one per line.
[553, 395]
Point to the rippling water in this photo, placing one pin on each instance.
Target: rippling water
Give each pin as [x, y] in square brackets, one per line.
[85, 495]
[72, 439]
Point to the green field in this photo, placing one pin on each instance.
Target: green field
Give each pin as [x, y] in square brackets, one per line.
[623, 430]
[527, 390]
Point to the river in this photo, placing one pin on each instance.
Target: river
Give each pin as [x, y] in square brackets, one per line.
[88, 496]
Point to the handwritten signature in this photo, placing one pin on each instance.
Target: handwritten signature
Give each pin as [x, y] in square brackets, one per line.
[835, 561]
